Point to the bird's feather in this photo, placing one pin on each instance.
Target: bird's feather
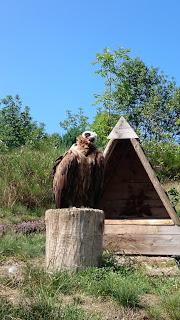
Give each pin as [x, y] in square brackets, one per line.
[78, 176]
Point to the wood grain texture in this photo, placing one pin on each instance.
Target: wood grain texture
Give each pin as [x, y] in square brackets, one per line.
[141, 229]
[109, 149]
[73, 238]
[128, 191]
[160, 191]
[122, 130]
[160, 222]
[143, 244]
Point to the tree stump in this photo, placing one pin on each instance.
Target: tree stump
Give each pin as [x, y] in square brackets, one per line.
[73, 238]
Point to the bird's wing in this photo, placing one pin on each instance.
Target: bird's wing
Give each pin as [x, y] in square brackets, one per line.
[57, 161]
[65, 179]
[98, 177]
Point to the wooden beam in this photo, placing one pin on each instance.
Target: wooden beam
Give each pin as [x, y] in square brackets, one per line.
[140, 229]
[152, 222]
[165, 200]
[109, 149]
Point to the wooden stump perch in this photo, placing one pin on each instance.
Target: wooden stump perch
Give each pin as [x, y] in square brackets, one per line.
[74, 238]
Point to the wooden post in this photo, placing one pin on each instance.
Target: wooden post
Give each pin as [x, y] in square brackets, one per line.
[74, 238]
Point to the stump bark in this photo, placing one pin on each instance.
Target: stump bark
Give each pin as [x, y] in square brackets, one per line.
[74, 238]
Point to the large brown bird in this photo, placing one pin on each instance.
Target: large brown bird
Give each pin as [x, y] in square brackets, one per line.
[78, 174]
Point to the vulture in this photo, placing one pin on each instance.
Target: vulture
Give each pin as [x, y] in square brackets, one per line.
[78, 174]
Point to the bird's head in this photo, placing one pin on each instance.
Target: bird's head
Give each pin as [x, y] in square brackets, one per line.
[89, 135]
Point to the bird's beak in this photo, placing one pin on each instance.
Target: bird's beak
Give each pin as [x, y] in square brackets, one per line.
[91, 139]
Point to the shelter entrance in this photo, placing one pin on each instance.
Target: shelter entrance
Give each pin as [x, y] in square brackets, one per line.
[128, 190]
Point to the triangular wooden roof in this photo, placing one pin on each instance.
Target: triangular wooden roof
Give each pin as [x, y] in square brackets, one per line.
[122, 131]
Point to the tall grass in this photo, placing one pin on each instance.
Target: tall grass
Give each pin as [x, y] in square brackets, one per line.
[25, 177]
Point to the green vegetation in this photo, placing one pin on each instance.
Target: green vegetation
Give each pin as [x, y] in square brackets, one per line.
[168, 308]
[16, 125]
[143, 94]
[44, 294]
[25, 177]
[43, 310]
[164, 157]
[73, 126]
[150, 101]
[22, 246]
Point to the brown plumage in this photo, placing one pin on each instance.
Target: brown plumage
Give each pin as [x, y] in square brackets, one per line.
[78, 175]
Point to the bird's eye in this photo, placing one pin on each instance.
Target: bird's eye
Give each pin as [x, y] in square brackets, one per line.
[87, 135]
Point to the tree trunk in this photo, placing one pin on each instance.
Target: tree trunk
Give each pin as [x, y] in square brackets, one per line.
[73, 238]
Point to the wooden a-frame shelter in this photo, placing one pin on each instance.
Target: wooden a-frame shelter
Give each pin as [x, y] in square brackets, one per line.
[139, 216]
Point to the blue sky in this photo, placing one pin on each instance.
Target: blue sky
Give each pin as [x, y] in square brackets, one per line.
[47, 48]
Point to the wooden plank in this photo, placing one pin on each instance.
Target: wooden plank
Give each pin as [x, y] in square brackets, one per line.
[152, 222]
[109, 149]
[140, 229]
[143, 244]
[124, 213]
[123, 194]
[118, 202]
[165, 200]
[122, 130]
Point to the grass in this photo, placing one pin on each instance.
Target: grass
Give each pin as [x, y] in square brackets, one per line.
[20, 213]
[25, 177]
[167, 309]
[22, 246]
[43, 293]
[125, 290]
[43, 310]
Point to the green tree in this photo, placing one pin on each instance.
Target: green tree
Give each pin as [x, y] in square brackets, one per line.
[145, 96]
[16, 125]
[102, 125]
[73, 125]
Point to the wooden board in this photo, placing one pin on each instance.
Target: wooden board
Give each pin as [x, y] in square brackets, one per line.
[141, 229]
[109, 149]
[143, 244]
[155, 222]
[122, 130]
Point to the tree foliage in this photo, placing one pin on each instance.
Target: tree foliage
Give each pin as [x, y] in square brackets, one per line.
[102, 125]
[144, 95]
[73, 125]
[16, 125]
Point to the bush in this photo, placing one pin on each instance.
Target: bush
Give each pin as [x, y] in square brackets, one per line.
[164, 157]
